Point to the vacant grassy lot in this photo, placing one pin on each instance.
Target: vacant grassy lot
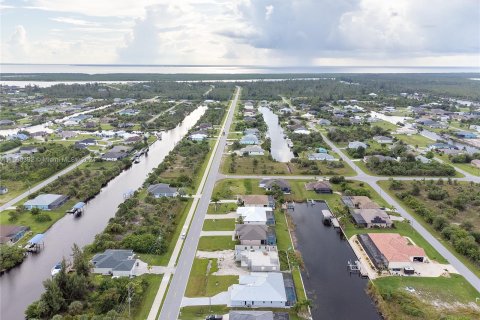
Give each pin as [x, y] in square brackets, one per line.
[434, 298]
[415, 140]
[219, 224]
[142, 310]
[230, 188]
[216, 243]
[463, 166]
[202, 282]
[221, 208]
[264, 165]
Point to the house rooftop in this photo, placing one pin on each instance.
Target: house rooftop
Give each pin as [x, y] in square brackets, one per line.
[395, 247]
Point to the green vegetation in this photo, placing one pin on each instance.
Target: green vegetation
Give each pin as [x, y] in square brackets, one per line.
[434, 298]
[216, 243]
[356, 133]
[202, 282]
[219, 225]
[221, 208]
[409, 167]
[9, 144]
[450, 207]
[80, 293]
[10, 256]
[200, 312]
[141, 311]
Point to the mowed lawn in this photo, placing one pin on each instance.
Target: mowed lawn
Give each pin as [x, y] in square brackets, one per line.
[216, 243]
[143, 309]
[202, 282]
[219, 224]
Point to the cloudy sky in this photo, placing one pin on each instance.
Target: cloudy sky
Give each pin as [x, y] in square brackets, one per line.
[242, 32]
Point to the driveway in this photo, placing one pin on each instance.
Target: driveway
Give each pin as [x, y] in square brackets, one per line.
[223, 298]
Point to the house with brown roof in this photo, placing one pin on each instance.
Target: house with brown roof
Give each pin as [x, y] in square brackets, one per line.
[391, 251]
[256, 200]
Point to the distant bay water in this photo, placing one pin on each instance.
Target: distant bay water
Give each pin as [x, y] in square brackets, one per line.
[217, 69]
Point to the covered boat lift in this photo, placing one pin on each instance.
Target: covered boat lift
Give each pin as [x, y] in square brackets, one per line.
[36, 243]
[77, 209]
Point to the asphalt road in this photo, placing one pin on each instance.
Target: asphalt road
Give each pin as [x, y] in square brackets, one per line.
[173, 299]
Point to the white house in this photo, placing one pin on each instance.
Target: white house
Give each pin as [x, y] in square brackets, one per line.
[383, 139]
[356, 145]
[321, 157]
[254, 215]
[252, 150]
[259, 290]
[308, 116]
[258, 258]
[301, 130]
[198, 136]
[406, 130]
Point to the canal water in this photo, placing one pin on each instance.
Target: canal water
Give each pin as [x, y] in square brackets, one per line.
[280, 150]
[335, 294]
[23, 285]
[434, 136]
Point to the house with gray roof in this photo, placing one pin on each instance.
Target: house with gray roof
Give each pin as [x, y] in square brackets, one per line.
[252, 315]
[162, 190]
[321, 157]
[259, 289]
[268, 185]
[251, 150]
[120, 263]
[356, 145]
[255, 234]
[46, 202]
[249, 139]
[114, 155]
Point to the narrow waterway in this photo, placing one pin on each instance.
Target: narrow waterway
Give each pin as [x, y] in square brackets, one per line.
[280, 150]
[434, 136]
[23, 285]
[335, 294]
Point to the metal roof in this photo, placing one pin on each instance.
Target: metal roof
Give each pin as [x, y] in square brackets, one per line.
[37, 238]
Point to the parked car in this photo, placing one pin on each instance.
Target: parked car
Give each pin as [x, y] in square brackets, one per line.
[214, 317]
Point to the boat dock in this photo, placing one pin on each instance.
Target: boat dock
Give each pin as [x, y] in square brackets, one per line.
[35, 244]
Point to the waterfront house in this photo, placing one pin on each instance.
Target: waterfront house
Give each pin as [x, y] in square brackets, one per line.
[391, 251]
[255, 315]
[253, 131]
[251, 150]
[87, 142]
[28, 150]
[198, 136]
[256, 215]
[19, 136]
[371, 218]
[9, 234]
[255, 234]
[256, 200]
[46, 202]
[114, 155]
[466, 135]
[162, 190]
[67, 134]
[249, 139]
[128, 112]
[319, 186]
[269, 184]
[258, 258]
[301, 130]
[132, 139]
[118, 263]
[259, 289]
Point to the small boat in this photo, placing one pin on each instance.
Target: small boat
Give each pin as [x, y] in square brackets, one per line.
[136, 160]
[56, 269]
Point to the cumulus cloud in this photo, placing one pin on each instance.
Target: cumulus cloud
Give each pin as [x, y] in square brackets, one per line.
[76, 22]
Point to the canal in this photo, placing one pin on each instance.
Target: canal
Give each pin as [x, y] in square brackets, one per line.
[23, 285]
[335, 294]
[279, 147]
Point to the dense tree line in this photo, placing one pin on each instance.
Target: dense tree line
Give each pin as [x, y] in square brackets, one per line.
[9, 144]
[409, 167]
[354, 133]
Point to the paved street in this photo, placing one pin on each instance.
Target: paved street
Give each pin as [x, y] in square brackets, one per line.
[173, 299]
